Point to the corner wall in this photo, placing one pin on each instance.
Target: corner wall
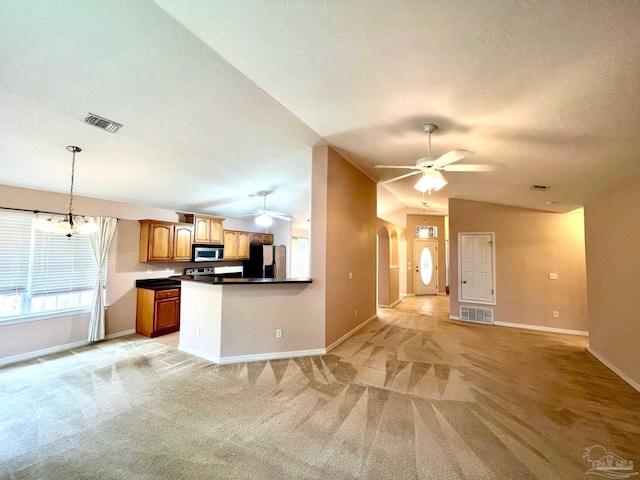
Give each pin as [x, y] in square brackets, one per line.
[350, 222]
[529, 244]
[613, 267]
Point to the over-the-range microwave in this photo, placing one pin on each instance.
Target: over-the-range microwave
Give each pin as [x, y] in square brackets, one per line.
[208, 253]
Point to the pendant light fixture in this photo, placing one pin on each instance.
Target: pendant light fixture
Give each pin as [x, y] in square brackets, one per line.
[68, 224]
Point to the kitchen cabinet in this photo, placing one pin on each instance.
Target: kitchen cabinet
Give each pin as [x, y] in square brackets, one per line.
[165, 241]
[158, 311]
[206, 229]
[262, 238]
[236, 245]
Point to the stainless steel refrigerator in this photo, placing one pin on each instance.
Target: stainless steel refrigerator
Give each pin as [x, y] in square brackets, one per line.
[266, 261]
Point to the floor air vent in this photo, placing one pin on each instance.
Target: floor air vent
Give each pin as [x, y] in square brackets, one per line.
[476, 314]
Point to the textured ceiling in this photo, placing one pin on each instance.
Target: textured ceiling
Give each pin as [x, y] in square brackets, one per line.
[222, 99]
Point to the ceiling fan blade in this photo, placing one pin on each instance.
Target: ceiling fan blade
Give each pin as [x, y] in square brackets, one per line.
[469, 168]
[400, 177]
[412, 167]
[450, 157]
[248, 215]
[280, 216]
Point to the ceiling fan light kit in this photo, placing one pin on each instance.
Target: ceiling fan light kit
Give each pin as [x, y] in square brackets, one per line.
[431, 180]
[264, 216]
[430, 167]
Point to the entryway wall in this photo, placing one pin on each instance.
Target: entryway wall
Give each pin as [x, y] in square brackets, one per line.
[529, 245]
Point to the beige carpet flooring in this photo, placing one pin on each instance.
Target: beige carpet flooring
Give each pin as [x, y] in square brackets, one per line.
[412, 395]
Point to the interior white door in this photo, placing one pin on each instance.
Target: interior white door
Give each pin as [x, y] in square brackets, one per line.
[476, 268]
[426, 262]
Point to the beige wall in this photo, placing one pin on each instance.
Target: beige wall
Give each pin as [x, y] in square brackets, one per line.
[430, 220]
[613, 264]
[350, 222]
[529, 245]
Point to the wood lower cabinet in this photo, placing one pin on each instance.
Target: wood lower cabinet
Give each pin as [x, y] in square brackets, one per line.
[236, 245]
[158, 312]
[165, 241]
[206, 229]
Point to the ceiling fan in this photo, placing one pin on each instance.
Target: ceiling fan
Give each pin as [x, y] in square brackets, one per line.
[264, 216]
[430, 167]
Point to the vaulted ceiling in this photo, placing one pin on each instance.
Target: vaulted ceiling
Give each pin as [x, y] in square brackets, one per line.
[221, 100]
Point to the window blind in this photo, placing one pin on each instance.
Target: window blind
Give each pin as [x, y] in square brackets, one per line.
[15, 241]
[62, 264]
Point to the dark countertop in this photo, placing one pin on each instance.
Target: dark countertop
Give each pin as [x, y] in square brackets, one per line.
[158, 284]
[238, 281]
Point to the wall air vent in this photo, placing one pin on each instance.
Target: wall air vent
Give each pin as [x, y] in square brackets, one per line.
[108, 125]
[540, 188]
[476, 314]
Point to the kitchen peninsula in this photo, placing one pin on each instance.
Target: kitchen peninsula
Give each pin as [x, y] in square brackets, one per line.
[226, 320]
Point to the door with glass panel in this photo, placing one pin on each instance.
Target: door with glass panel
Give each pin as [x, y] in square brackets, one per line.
[426, 265]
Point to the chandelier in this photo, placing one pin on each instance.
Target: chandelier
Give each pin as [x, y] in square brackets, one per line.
[68, 224]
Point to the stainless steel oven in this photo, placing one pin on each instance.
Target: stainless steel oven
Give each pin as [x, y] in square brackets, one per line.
[208, 253]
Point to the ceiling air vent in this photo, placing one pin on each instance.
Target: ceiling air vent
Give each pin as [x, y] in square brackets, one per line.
[540, 188]
[108, 125]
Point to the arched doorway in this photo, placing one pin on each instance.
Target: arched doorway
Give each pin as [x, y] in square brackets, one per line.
[383, 267]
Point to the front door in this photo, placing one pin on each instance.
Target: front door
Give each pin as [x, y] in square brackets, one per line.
[476, 268]
[426, 262]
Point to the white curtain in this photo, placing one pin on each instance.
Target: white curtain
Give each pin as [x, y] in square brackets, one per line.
[100, 242]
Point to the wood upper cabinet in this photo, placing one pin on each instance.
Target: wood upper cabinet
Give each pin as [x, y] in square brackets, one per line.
[262, 238]
[206, 229]
[165, 241]
[158, 312]
[236, 245]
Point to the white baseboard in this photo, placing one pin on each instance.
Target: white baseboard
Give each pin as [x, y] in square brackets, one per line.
[614, 369]
[393, 304]
[124, 333]
[41, 353]
[542, 329]
[347, 335]
[453, 317]
[198, 353]
[272, 356]
[59, 348]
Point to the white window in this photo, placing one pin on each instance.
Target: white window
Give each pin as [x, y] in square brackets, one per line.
[42, 273]
[300, 257]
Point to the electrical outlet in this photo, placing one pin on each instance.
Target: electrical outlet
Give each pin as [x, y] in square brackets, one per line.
[149, 271]
[555, 314]
[279, 333]
[350, 275]
[198, 331]
[553, 276]
[356, 313]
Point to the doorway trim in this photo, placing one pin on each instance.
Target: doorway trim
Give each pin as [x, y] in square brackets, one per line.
[435, 259]
[493, 267]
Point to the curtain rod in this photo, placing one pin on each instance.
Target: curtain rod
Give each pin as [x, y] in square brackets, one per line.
[39, 211]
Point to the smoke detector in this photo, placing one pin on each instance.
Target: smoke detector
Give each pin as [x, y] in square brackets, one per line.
[103, 123]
